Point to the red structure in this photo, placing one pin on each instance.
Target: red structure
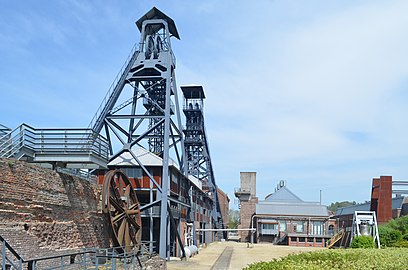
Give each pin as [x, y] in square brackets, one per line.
[381, 198]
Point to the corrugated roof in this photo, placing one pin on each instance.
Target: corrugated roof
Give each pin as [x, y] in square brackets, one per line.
[283, 195]
[291, 209]
[349, 210]
[146, 158]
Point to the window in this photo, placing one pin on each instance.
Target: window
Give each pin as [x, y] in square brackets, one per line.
[282, 225]
[301, 239]
[133, 172]
[298, 226]
[317, 228]
[269, 226]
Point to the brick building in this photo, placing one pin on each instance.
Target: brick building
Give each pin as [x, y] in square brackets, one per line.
[180, 188]
[382, 202]
[224, 207]
[282, 217]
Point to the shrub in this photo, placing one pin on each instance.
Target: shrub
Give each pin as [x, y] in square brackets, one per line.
[388, 236]
[362, 242]
[405, 237]
[399, 224]
[350, 259]
[401, 243]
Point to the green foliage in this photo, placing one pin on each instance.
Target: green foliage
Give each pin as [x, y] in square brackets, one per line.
[390, 258]
[405, 237]
[334, 206]
[401, 243]
[362, 242]
[399, 224]
[388, 236]
[233, 219]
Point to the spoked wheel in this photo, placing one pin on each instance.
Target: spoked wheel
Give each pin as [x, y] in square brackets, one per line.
[120, 205]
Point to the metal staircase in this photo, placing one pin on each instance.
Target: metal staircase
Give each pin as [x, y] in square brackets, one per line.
[332, 241]
[112, 95]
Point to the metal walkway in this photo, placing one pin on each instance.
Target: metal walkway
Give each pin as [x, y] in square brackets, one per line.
[69, 147]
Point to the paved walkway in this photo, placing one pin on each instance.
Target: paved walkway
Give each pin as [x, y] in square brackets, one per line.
[233, 256]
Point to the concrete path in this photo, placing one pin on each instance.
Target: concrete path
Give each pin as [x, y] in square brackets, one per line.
[233, 256]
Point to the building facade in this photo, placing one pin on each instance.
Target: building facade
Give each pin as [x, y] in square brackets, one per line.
[282, 217]
[182, 190]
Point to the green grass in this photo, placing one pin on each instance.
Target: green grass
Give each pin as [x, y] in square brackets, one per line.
[390, 258]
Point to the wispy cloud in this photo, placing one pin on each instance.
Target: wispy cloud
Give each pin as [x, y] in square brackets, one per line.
[309, 91]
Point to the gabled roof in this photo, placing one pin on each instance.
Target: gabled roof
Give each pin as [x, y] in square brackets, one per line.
[146, 158]
[155, 13]
[283, 195]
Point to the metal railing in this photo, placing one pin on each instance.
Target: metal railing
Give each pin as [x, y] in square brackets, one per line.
[121, 76]
[88, 258]
[28, 140]
[242, 190]
[79, 173]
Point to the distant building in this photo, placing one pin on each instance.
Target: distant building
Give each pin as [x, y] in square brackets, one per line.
[224, 207]
[344, 215]
[282, 217]
[382, 202]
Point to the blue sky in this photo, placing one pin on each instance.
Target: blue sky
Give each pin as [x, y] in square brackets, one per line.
[312, 92]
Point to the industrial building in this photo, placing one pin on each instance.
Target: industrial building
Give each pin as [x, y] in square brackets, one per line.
[158, 184]
[282, 217]
[382, 202]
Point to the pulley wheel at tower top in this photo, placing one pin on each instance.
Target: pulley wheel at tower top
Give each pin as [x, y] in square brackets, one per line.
[121, 207]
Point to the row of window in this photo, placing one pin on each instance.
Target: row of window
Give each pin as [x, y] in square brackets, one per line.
[303, 239]
[297, 226]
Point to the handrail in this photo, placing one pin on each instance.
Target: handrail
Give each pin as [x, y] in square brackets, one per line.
[11, 249]
[113, 86]
[109, 253]
[335, 238]
[48, 140]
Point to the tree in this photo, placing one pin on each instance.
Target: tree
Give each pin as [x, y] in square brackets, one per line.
[336, 205]
[234, 219]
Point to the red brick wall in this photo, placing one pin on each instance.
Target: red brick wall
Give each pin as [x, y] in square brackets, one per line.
[381, 198]
[224, 206]
[248, 209]
[49, 210]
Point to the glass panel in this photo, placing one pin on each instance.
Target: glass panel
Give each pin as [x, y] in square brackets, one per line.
[282, 225]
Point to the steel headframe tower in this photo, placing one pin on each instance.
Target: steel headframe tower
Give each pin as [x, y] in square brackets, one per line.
[197, 148]
[147, 117]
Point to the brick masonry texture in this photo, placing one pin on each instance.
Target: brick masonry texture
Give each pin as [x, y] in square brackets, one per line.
[42, 211]
[247, 211]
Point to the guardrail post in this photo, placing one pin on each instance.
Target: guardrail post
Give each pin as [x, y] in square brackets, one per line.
[3, 254]
[84, 260]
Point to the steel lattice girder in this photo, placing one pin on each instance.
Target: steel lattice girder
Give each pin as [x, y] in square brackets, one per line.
[150, 117]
